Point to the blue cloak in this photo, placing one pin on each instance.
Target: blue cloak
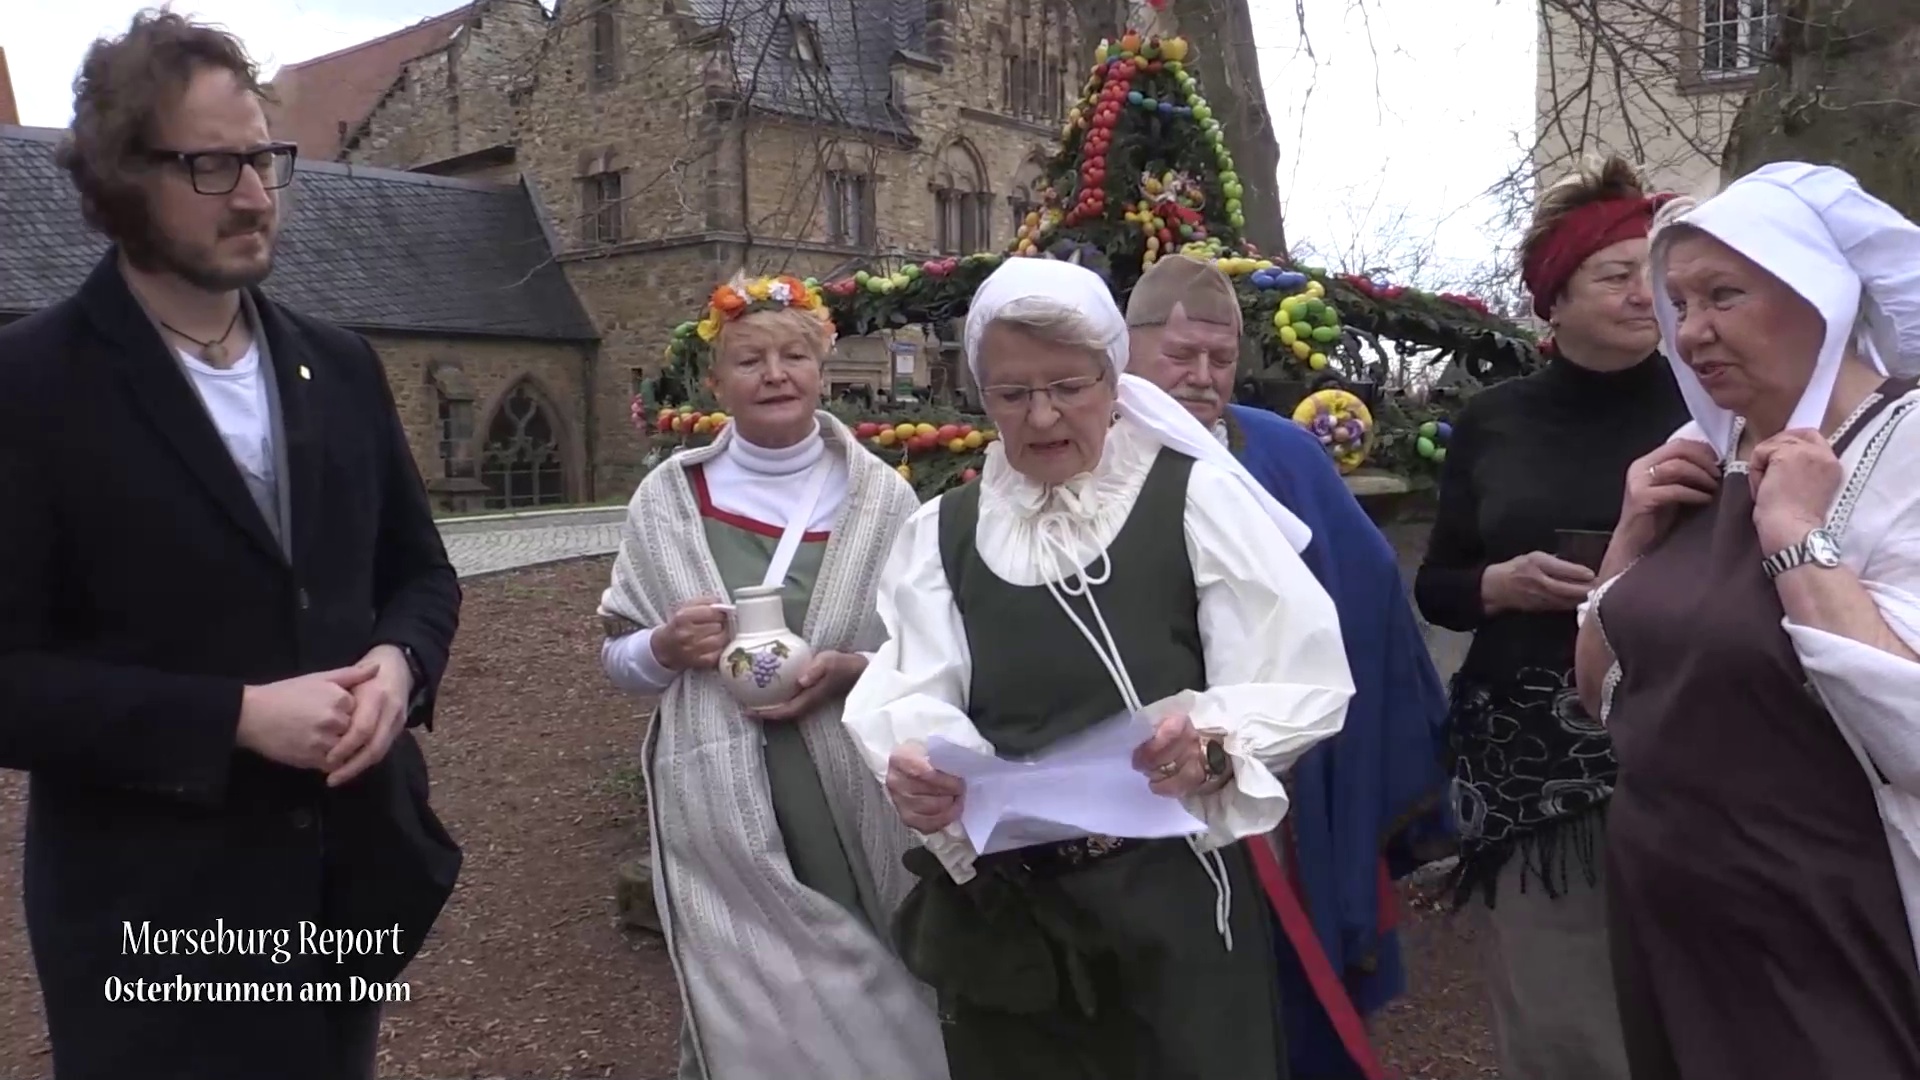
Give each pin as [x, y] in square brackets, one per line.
[1359, 798]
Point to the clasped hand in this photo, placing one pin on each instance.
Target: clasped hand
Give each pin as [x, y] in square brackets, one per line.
[339, 722]
[1173, 760]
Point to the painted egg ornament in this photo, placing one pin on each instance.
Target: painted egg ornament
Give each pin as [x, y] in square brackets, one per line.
[1431, 443]
[1341, 422]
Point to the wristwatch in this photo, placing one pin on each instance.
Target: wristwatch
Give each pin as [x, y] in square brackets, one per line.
[1217, 763]
[418, 673]
[1819, 549]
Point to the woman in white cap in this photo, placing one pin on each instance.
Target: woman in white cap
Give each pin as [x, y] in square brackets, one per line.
[1055, 593]
[1753, 648]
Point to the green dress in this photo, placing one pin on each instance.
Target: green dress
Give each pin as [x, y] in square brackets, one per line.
[823, 860]
[1097, 959]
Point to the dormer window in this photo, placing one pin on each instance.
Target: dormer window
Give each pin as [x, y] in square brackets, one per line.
[806, 43]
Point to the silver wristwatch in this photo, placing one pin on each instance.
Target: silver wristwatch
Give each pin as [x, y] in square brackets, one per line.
[1819, 548]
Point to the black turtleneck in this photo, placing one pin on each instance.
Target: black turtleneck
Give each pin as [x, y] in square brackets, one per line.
[1529, 456]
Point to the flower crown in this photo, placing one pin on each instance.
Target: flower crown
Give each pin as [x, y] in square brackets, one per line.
[743, 297]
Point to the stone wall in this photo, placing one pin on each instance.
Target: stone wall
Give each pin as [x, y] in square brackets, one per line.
[709, 186]
[489, 368]
[1624, 77]
[635, 301]
[458, 99]
[646, 123]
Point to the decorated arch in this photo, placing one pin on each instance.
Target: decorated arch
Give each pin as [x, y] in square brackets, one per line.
[1143, 170]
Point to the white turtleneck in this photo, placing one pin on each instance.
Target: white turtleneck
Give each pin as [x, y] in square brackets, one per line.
[763, 484]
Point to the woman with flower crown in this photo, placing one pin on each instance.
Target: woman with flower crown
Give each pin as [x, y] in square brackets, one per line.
[777, 857]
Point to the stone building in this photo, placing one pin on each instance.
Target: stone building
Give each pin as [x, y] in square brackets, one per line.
[673, 143]
[1660, 81]
[487, 349]
[518, 205]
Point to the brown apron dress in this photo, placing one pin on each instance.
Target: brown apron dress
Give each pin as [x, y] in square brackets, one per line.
[1757, 926]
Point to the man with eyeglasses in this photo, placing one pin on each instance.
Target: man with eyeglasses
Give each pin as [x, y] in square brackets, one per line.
[1362, 799]
[223, 603]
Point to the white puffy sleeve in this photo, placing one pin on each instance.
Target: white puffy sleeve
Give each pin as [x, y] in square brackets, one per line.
[1277, 673]
[915, 685]
[1873, 693]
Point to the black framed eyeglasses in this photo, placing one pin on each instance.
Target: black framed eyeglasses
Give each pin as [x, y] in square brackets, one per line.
[217, 172]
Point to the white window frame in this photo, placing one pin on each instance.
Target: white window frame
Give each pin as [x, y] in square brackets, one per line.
[1753, 25]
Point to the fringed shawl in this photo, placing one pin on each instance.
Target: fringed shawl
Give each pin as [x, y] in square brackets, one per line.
[779, 980]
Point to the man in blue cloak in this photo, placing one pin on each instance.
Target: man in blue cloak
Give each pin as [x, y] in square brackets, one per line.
[1362, 800]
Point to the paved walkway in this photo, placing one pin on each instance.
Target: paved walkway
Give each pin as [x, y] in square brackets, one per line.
[493, 544]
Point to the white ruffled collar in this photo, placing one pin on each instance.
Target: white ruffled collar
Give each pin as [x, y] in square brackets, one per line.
[1031, 533]
[1114, 479]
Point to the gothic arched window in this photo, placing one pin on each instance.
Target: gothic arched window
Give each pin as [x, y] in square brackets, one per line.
[961, 202]
[523, 462]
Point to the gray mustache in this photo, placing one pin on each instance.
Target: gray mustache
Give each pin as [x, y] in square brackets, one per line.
[1204, 397]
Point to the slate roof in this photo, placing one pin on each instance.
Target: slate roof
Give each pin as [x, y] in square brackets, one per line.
[314, 96]
[857, 41]
[371, 249]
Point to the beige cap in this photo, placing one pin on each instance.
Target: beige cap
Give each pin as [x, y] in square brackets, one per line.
[1183, 281]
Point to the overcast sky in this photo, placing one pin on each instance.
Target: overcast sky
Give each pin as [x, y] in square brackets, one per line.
[1403, 114]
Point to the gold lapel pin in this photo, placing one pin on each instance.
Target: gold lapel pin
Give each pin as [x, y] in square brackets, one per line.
[305, 374]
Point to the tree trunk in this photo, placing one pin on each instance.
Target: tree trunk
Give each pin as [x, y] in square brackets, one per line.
[1843, 93]
[1228, 67]
[1225, 61]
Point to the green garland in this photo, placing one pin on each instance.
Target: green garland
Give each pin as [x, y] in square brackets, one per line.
[1143, 168]
[930, 466]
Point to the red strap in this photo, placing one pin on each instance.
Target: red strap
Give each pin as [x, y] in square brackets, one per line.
[1313, 959]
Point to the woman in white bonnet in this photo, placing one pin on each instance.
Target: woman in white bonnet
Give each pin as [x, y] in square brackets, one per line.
[1112, 557]
[1752, 649]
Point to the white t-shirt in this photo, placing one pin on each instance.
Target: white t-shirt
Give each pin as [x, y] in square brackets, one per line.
[236, 398]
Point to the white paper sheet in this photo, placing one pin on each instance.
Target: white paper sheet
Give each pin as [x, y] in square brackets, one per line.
[1084, 785]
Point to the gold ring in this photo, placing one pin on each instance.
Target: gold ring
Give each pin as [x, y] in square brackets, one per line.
[1167, 769]
[1653, 472]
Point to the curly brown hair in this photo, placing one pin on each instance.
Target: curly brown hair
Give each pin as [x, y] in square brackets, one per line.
[1613, 178]
[122, 85]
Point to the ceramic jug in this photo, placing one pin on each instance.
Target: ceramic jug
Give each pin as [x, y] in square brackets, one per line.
[763, 662]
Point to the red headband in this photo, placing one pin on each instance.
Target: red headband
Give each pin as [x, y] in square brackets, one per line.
[1581, 233]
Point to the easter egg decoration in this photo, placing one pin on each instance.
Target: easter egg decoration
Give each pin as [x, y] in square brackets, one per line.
[1430, 440]
[1342, 423]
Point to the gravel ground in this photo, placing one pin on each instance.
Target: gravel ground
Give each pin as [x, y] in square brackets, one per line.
[527, 974]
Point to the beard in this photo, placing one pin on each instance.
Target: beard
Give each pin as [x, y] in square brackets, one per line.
[200, 266]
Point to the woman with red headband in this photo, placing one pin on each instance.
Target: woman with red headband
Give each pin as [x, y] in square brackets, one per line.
[1531, 489]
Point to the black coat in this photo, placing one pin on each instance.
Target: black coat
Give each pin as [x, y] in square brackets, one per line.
[140, 591]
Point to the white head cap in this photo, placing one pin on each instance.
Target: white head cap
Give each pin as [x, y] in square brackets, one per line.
[1020, 281]
[1850, 255]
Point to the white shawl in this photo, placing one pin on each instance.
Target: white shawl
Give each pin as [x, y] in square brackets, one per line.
[777, 979]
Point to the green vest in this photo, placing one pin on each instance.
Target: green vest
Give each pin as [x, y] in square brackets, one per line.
[1036, 679]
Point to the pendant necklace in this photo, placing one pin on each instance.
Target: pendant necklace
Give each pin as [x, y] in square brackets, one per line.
[213, 352]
